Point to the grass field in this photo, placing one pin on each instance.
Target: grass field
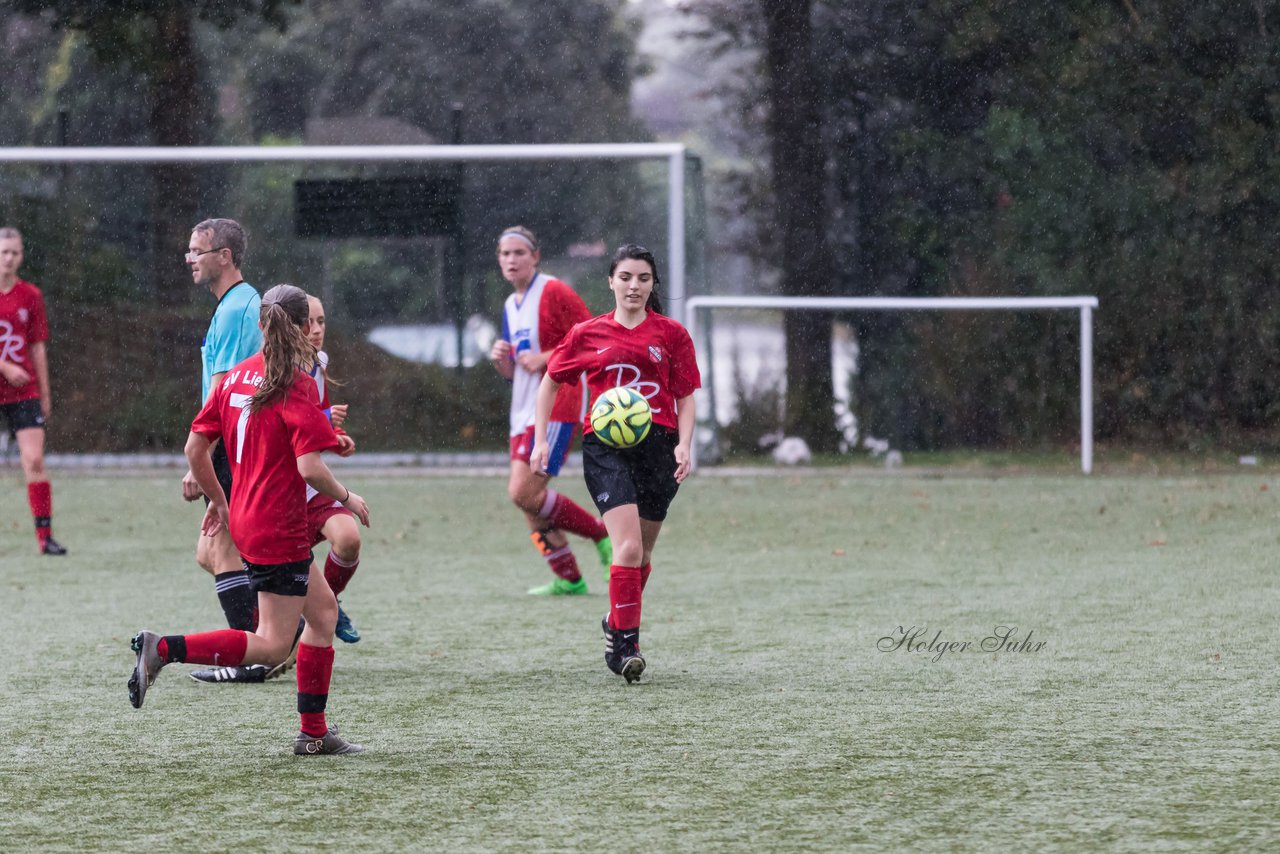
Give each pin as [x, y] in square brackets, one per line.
[772, 717]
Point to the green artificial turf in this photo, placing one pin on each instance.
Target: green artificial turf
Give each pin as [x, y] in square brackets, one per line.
[774, 715]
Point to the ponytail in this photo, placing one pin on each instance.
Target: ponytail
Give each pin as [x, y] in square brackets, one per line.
[285, 348]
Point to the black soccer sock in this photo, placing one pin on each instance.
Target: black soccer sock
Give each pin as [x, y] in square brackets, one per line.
[238, 600]
[175, 648]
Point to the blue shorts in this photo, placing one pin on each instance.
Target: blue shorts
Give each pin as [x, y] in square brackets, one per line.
[559, 437]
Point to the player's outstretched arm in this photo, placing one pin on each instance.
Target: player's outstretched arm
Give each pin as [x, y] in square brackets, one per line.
[319, 477]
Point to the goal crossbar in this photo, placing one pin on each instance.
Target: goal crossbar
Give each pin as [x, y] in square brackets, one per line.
[1084, 304]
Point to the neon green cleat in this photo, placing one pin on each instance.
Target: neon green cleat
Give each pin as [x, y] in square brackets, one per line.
[561, 587]
[605, 549]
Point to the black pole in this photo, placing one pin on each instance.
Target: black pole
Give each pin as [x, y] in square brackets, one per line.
[460, 258]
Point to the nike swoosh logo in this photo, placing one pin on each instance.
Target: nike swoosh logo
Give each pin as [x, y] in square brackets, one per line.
[628, 605]
[601, 350]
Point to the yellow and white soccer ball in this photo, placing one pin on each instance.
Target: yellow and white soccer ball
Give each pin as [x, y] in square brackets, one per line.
[620, 418]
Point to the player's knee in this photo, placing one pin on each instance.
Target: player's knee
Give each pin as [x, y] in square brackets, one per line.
[628, 552]
[33, 468]
[323, 616]
[204, 555]
[346, 546]
[526, 499]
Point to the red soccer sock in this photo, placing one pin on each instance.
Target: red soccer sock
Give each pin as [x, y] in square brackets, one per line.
[625, 588]
[561, 512]
[644, 575]
[564, 564]
[223, 648]
[338, 572]
[315, 668]
[40, 498]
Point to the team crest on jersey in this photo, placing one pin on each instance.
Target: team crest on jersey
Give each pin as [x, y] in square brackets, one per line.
[23, 315]
[655, 353]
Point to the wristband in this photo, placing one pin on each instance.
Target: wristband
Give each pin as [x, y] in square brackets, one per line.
[348, 498]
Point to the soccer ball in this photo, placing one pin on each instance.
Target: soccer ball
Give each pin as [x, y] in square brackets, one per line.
[620, 418]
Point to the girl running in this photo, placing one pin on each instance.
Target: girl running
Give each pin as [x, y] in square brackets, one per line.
[267, 413]
[535, 318]
[634, 346]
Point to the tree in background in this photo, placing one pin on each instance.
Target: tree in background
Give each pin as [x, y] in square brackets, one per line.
[790, 202]
[154, 39]
[978, 147]
[798, 161]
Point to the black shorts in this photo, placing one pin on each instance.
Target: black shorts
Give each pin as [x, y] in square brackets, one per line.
[644, 475]
[283, 579]
[222, 468]
[23, 415]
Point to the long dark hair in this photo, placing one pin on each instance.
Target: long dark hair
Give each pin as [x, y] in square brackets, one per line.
[636, 252]
[285, 348]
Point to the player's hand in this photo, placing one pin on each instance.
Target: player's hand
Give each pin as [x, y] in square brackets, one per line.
[356, 505]
[190, 489]
[17, 375]
[337, 414]
[346, 445]
[682, 463]
[538, 458]
[532, 362]
[501, 350]
[46, 407]
[215, 520]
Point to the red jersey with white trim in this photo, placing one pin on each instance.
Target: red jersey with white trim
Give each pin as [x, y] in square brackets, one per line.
[655, 359]
[22, 323]
[536, 322]
[268, 502]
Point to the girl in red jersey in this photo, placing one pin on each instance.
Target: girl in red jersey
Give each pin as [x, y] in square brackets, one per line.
[267, 413]
[636, 347]
[24, 382]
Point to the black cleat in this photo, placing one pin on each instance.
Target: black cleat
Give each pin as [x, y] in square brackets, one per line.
[632, 667]
[146, 666]
[610, 657]
[52, 547]
[229, 675]
[330, 744]
[622, 651]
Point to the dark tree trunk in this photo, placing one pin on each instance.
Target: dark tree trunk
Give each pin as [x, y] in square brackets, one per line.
[800, 194]
[174, 119]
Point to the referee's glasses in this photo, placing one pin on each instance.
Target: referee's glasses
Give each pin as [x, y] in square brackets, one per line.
[192, 256]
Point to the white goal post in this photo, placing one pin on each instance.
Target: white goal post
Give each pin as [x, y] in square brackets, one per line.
[1085, 305]
[673, 153]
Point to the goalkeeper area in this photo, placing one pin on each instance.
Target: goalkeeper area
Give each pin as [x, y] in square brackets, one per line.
[809, 684]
